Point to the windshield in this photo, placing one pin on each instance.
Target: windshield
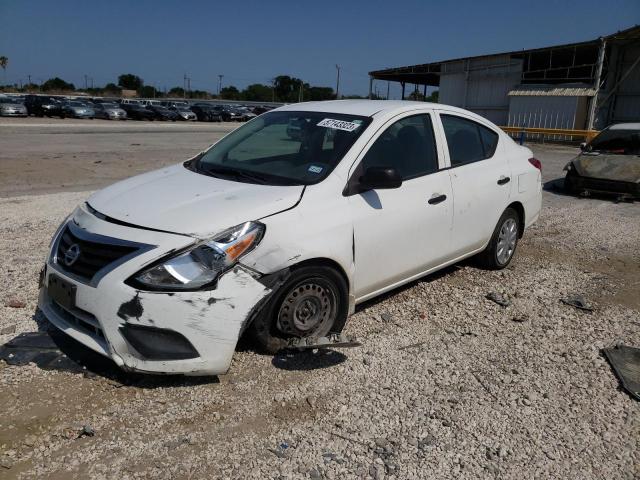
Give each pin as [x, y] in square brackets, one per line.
[624, 142]
[76, 104]
[284, 148]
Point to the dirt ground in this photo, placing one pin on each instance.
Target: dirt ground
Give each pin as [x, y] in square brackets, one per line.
[446, 384]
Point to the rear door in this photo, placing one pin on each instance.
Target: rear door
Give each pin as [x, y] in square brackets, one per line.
[480, 179]
[399, 233]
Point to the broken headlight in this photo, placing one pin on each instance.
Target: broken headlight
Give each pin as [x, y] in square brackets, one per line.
[202, 264]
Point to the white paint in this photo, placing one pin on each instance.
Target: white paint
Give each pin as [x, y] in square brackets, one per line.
[380, 239]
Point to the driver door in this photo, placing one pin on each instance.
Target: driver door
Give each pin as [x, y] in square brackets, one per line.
[400, 233]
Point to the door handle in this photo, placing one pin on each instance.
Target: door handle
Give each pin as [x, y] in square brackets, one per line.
[437, 198]
[503, 180]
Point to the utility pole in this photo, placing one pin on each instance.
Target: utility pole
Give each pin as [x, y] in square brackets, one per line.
[29, 77]
[85, 82]
[300, 93]
[184, 86]
[220, 84]
[92, 82]
[189, 86]
[338, 82]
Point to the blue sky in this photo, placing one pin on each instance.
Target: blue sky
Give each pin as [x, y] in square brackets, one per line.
[253, 41]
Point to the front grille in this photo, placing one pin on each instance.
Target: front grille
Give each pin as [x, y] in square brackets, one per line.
[93, 257]
[79, 319]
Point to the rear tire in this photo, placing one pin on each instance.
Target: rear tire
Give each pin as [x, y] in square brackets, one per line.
[503, 243]
[313, 301]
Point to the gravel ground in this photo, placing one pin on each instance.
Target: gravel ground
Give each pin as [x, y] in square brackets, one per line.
[447, 384]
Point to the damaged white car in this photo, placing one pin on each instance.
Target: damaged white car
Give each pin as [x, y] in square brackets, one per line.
[280, 237]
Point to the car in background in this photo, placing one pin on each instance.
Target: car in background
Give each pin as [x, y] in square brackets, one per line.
[137, 112]
[10, 107]
[109, 111]
[609, 164]
[43, 106]
[205, 112]
[184, 112]
[260, 109]
[175, 103]
[245, 113]
[163, 113]
[77, 109]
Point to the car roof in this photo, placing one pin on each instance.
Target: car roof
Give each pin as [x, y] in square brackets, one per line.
[367, 108]
[625, 126]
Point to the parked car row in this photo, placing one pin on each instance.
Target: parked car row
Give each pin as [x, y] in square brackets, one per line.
[122, 109]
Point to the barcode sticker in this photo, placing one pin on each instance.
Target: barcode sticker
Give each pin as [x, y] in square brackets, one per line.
[338, 124]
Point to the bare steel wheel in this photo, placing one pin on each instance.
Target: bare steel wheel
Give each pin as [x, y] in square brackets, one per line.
[308, 309]
[312, 301]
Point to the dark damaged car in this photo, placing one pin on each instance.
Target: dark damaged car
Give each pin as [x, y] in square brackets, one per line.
[609, 164]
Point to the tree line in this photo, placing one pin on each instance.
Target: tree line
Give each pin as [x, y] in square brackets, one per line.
[283, 88]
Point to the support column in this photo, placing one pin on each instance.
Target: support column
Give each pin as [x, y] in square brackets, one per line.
[594, 100]
[370, 87]
[402, 83]
[424, 94]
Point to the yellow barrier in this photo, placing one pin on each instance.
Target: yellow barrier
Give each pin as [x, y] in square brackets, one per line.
[586, 134]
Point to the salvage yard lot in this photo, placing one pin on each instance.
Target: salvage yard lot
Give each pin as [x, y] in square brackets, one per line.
[446, 384]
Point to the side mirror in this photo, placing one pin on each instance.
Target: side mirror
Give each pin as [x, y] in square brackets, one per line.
[380, 178]
[583, 146]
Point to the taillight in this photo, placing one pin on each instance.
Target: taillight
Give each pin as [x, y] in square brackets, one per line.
[536, 163]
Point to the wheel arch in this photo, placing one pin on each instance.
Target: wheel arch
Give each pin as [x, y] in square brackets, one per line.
[519, 208]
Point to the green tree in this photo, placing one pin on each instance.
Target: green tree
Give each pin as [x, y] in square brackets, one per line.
[148, 92]
[4, 61]
[319, 93]
[230, 93]
[433, 97]
[288, 88]
[130, 81]
[416, 95]
[176, 92]
[112, 88]
[258, 93]
[57, 84]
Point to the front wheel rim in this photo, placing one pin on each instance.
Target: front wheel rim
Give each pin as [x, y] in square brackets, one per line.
[507, 238]
[308, 309]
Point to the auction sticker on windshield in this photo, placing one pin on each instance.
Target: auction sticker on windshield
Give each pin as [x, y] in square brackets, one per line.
[338, 124]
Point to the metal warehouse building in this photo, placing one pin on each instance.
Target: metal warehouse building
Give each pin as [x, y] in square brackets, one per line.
[578, 86]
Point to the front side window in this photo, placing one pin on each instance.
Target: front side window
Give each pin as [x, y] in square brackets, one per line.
[408, 146]
[467, 140]
[284, 148]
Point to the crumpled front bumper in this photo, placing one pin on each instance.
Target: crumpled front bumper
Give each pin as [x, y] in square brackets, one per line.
[210, 321]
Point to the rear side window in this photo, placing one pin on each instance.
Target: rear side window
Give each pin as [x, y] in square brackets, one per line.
[468, 141]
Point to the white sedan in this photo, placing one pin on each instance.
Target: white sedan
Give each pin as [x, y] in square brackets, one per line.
[281, 237]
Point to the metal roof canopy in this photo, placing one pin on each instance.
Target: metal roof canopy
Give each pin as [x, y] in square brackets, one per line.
[552, 91]
[572, 62]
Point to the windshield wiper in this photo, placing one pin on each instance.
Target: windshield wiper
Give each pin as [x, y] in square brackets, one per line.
[237, 174]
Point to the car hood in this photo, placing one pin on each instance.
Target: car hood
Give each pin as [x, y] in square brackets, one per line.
[622, 168]
[178, 200]
[12, 105]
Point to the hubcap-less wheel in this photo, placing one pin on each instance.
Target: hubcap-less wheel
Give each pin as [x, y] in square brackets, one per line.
[308, 309]
[507, 239]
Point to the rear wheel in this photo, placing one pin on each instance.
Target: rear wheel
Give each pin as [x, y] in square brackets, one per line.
[503, 243]
[312, 302]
